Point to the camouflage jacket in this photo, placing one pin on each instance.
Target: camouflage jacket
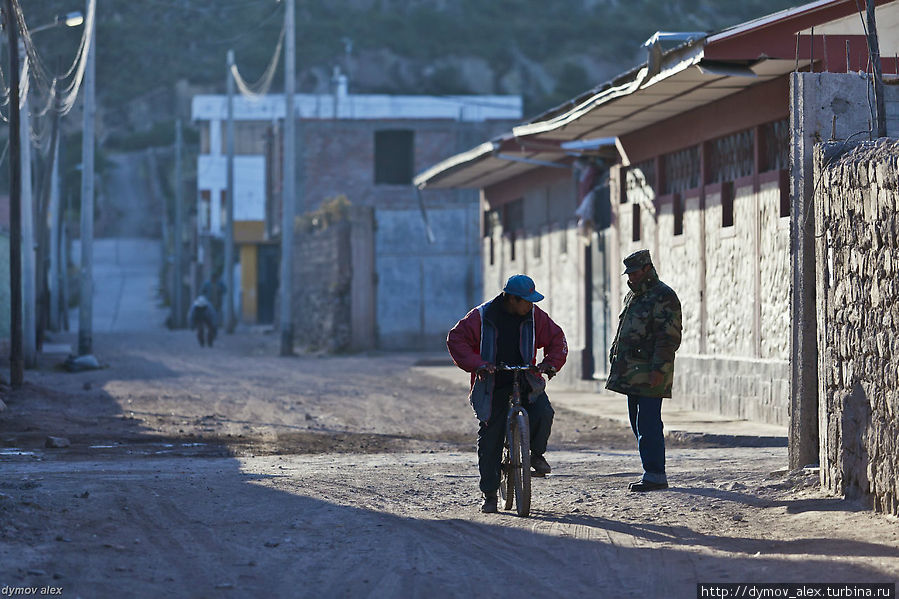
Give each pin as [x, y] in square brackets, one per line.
[649, 332]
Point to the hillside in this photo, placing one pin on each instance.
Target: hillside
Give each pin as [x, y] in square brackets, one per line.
[545, 50]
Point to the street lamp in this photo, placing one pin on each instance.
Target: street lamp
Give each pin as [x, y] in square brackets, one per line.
[72, 19]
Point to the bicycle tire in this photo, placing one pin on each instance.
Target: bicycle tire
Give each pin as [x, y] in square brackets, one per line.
[506, 485]
[521, 462]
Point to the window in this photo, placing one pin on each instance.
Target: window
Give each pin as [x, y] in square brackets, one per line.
[640, 181]
[394, 156]
[681, 170]
[513, 216]
[776, 139]
[732, 157]
[727, 204]
[677, 205]
[205, 144]
[784, 194]
[636, 223]
[249, 138]
[204, 213]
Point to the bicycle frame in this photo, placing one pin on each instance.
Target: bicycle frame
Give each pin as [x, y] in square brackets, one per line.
[518, 474]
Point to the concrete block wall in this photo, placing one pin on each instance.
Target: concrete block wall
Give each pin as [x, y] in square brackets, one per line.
[857, 305]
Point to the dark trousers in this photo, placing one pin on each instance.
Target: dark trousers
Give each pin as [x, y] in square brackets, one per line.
[492, 434]
[646, 422]
[206, 329]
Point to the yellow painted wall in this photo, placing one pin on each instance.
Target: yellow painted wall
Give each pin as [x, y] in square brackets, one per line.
[248, 282]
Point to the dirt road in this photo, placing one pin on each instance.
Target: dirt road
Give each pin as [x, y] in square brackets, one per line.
[230, 472]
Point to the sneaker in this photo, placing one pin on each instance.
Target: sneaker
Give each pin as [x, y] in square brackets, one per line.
[540, 465]
[490, 503]
[645, 485]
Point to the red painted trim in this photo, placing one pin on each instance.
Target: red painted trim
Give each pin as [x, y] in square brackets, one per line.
[511, 189]
[747, 181]
[770, 177]
[759, 104]
[665, 199]
[776, 39]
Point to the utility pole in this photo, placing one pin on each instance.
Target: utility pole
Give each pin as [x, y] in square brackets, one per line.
[86, 303]
[229, 204]
[55, 223]
[880, 116]
[28, 272]
[16, 361]
[178, 307]
[288, 199]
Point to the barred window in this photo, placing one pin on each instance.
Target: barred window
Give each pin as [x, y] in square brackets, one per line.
[776, 139]
[641, 180]
[678, 209]
[732, 157]
[682, 170]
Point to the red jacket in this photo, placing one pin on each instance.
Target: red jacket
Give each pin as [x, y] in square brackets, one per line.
[472, 344]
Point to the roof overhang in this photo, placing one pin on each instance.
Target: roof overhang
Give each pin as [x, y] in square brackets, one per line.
[700, 71]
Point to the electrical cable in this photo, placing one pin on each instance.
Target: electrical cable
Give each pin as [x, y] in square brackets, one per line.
[260, 88]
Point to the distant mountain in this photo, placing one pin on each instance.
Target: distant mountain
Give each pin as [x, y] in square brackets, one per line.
[546, 50]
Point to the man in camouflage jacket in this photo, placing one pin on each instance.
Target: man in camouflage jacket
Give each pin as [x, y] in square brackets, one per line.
[642, 362]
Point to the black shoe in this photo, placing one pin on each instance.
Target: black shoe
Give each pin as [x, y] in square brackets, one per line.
[645, 485]
[540, 465]
[490, 504]
[636, 482]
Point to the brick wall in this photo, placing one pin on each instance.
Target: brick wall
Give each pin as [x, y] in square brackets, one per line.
[857, 305]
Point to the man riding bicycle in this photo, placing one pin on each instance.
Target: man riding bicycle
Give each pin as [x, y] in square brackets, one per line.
[508, 329]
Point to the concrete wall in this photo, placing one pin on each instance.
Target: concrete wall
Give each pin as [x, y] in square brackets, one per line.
[857, 309]
[424, 288]
[823, 106]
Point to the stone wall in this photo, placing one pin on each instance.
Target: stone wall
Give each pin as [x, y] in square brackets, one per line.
[322, 274]
[857, 238]
[734, 287]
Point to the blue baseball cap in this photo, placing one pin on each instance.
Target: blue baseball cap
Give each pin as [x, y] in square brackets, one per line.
[522, 286]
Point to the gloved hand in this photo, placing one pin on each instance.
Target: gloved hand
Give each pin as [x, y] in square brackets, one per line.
[549, 371]
[484, 370]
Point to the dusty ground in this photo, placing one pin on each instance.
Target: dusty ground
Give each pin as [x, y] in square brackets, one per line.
[230, 472]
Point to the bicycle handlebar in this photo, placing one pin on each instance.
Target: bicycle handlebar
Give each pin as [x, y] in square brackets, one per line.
[510, 368]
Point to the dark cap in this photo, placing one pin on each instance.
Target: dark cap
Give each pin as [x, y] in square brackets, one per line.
[636, 261]
[522, 286]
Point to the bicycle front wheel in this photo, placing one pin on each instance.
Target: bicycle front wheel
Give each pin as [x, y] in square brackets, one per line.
[520, 449]
[506, 480]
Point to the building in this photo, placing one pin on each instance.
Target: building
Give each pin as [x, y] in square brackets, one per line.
[366, 147]
[704, 133]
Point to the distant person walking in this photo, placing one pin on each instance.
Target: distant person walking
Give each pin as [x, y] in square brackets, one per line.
[203, 318]
[508, 329]
[215, 291]
[642, 362]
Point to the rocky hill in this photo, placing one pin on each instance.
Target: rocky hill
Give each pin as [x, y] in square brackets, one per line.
[545, 50]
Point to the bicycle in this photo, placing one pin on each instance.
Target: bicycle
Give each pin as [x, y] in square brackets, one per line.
[515, 469]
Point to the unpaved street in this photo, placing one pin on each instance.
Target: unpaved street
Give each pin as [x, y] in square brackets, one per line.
[230, 472]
